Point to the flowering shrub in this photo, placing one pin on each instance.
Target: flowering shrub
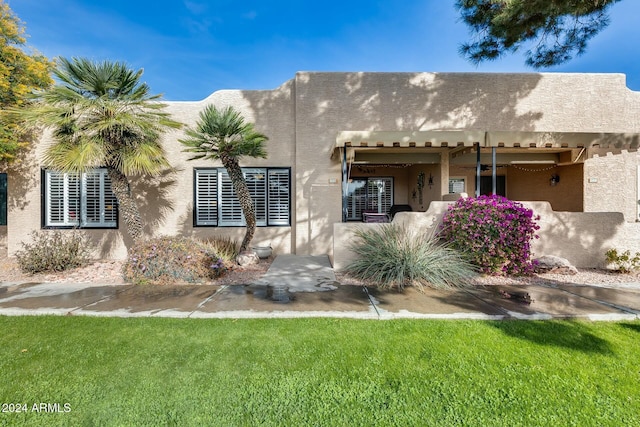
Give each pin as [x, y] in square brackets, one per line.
[168, 260]
[494, 231]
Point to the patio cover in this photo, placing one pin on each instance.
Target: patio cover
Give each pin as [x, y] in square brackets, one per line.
[486, 139]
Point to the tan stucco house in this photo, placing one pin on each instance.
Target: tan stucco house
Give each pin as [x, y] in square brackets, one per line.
[345, 145]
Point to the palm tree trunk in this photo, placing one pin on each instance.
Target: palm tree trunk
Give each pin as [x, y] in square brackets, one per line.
[127, 206]
[244, 197]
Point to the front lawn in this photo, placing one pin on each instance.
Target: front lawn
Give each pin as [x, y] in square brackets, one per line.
[109, 371]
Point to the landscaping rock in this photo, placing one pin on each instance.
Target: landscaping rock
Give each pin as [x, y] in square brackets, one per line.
[554, 264]
[247, 258]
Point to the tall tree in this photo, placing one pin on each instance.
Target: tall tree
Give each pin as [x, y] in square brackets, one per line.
[554, 30]
[225, 136]
[102, 115]
[20, 74]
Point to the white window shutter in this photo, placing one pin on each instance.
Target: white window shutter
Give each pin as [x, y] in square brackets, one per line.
[73, 200]
[92, 209]
[110, 205]
[278, 196]
[257, 183]
[98, 201]
[206, 204]
[62, 199]
[217, 204]
[380, 194]
[229, 212]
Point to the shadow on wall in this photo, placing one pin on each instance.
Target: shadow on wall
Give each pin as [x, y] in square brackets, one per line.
[413, 101]
[23, 176]
[152, 196]
[276, 237]
[328, 103]
[582, 237]
[154, 205]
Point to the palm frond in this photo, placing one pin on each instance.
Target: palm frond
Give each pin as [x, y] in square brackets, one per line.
[224, 131]
[101, 108]
[144, 158]
[74, 156]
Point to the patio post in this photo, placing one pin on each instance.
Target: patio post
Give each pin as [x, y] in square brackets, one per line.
[478, 169]
[493, 171]
[345, 185]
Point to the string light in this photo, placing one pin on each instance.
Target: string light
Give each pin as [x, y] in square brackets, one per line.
[548, 168]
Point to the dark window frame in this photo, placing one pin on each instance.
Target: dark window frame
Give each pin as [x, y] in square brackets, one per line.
[219, 172]
[82, 202]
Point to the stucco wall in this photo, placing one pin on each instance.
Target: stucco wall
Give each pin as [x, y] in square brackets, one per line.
[581, 237]
[303, 116]
[328, 103]
[166, 202]
[609, 184]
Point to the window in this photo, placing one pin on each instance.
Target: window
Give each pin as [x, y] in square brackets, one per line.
[216, 203]
[457, 185]
[368, 195]
[79, 200]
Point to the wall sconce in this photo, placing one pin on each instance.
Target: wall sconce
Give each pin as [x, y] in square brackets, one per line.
[430, 183]
[555, 179]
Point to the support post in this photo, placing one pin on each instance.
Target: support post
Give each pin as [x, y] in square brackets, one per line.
[494, 179]
[478, 170]
[345, 184]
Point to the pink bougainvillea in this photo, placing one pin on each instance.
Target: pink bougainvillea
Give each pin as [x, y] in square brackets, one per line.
[494, 232]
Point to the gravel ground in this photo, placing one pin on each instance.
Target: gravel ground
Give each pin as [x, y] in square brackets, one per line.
[602, 278]
[108, 272]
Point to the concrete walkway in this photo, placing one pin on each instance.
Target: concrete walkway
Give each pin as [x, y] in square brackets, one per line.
[305, 286]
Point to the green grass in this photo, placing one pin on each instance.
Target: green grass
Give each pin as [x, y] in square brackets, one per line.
[320, 372]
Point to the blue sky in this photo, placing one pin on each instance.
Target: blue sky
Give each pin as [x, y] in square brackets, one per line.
[191, 48]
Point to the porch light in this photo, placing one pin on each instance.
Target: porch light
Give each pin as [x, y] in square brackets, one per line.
[555, 179]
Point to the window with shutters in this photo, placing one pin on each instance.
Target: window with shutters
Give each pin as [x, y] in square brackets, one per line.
[216, 203]
[369, 195]
[79, 200]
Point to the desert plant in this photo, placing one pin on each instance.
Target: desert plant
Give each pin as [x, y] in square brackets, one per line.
[494, 231]
[225, 247]
[103, 115]
[54, 250]
[623, 262]
[225, 135]
[392, 256]
[168, 260]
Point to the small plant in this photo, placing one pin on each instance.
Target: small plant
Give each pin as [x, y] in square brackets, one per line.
[169, 260]
[54, 250]
[494, 231]
[224, 247]
[623, 262]
[391, 256]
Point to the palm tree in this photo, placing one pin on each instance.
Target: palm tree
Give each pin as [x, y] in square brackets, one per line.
[225, 136]
[102, 115]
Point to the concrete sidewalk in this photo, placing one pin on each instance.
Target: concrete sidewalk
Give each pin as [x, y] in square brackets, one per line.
[305, 286]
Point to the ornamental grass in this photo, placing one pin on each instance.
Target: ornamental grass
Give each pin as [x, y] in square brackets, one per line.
[390, 256]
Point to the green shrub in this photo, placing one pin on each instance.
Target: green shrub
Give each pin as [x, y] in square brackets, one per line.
[623, 262]
[224, 247]
[54, 250]
[390, 256]
[168, 260]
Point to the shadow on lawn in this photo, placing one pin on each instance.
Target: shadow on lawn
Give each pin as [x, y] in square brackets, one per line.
[573, 335]
[633, 326]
